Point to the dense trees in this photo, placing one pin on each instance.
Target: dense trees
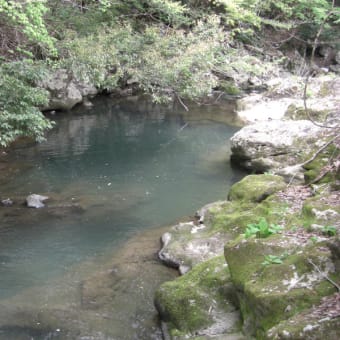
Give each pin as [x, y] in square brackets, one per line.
[171, 49]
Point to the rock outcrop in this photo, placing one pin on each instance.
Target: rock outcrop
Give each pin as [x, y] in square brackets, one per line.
[278, 275]
[273, 145]
[65, 90]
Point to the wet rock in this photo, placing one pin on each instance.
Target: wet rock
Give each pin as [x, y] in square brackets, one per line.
[189, 243]
[7, 202]
[36, 201]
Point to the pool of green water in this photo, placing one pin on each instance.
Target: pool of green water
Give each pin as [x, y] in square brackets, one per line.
[112, 173]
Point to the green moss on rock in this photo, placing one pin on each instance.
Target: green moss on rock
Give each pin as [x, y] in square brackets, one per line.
[306, 326]
[269, 294]
[314, 169]
[256, 188]
[299, 113]
[229, 88]
[188, 303]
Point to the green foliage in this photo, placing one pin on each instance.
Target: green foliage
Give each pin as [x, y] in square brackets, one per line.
[329, 230]
[306, 15]
[165, 62]
[262, 229]
[314, 239]
[28, 18]
[274, 259]
[19, 115]
[170, 49]
[173, 62]
[94, 58]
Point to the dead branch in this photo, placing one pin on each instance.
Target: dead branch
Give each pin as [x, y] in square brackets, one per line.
[320, 150]
[324, 275]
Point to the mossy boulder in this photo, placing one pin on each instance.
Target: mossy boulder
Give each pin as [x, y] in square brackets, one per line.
[256, 188]
[284, 274]
[323, 210]
[314, 170]
[189, 243]
[315, 323]
[276, 278]
[199, 303]
[271, 292]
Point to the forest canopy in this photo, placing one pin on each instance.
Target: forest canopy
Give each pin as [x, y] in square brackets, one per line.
[171, 49]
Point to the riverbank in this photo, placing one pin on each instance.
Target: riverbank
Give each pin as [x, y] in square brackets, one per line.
[271, 249]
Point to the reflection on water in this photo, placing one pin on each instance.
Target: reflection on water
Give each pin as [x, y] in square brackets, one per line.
[110, 172]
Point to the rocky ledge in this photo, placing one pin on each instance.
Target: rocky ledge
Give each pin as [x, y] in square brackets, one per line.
[268, 253]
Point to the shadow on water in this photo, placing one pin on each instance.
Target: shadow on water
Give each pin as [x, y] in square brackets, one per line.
[85, 266]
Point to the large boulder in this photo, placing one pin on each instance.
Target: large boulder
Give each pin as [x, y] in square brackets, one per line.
[273, 145]
[189, 243]
[199, 304]
[283, 99]
[65, 90]
[256, 188]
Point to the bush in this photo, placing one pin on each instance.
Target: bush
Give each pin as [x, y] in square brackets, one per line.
[19, 99]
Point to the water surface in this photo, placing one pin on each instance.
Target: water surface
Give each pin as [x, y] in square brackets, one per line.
[112, 173]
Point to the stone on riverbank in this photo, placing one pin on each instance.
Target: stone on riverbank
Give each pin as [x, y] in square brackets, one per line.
[285, 274]
[267, 293]
[187, 244]
[65, 91]
[273, 145]
[199, 303]
[256, 188]
[283, 99]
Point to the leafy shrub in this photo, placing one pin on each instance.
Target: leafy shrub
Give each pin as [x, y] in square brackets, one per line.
[329, 230]
[27, 17]
[19, 99]
[262, 229]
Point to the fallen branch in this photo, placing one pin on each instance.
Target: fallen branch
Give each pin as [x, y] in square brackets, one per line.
[320, 150]
[181, 102]
[324, 275]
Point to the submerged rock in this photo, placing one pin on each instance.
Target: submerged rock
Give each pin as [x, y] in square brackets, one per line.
[36, 201]
[7, 202]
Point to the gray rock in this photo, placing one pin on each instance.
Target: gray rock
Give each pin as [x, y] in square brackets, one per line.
[187, 244]
[36, 201]
[65, 91]
[7, 202]
[272, 145]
